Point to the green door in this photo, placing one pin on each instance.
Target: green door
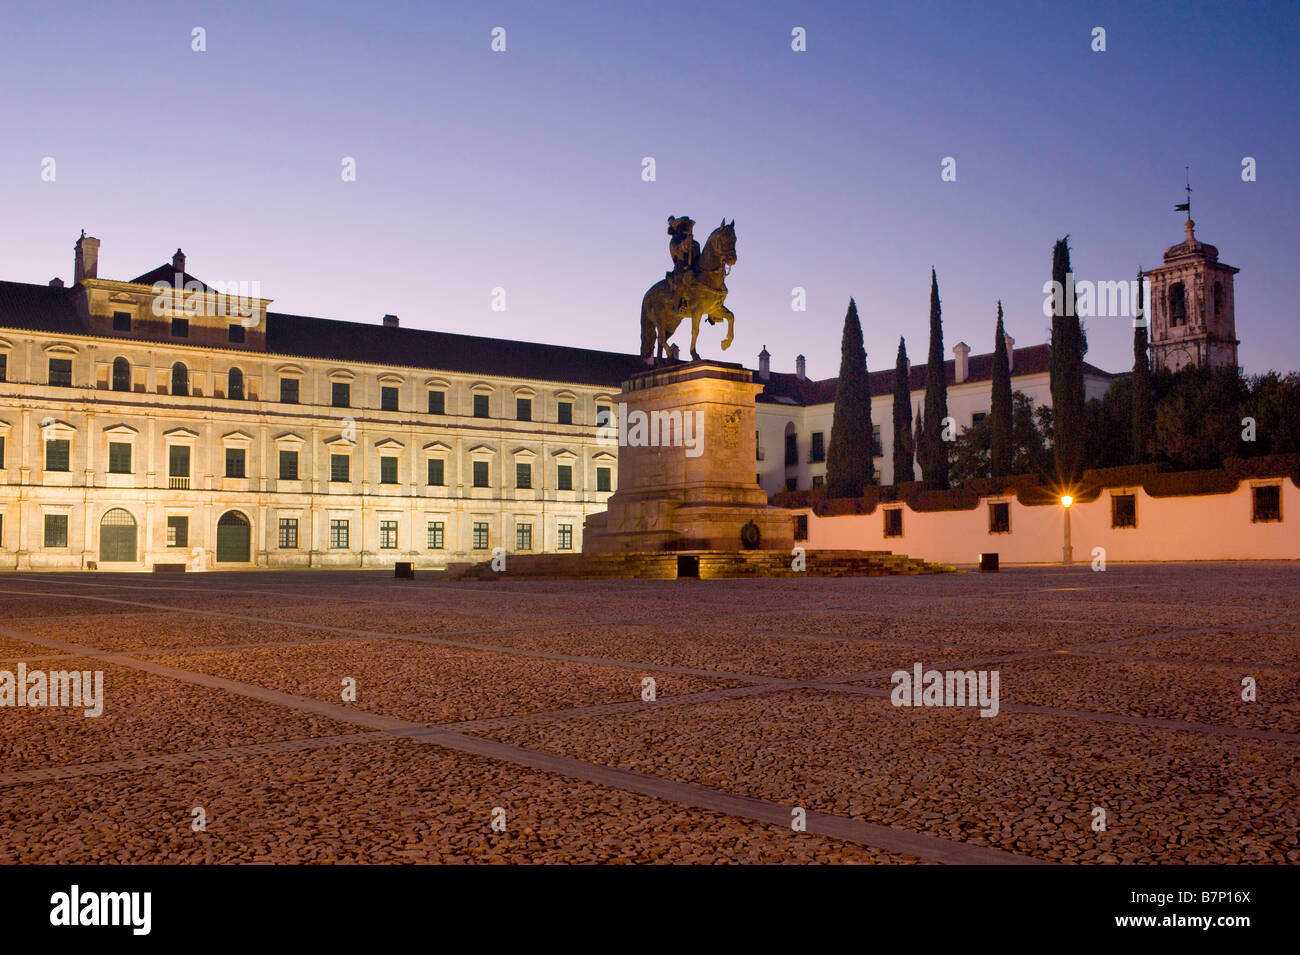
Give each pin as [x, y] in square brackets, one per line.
[117, 537]
[234, 536]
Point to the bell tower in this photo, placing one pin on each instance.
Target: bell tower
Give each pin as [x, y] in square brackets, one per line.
[1193, 320]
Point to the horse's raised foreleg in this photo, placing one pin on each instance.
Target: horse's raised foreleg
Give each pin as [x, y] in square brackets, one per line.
[724, 312]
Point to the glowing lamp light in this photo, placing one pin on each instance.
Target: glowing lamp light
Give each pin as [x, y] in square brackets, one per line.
[1066, 500]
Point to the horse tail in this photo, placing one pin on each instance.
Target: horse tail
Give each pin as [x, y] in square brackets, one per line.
[647, 332]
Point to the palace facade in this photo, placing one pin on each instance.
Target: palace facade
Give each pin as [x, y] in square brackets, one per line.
[143, 427]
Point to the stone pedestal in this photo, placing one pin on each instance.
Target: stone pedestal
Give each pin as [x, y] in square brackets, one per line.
[686, 466]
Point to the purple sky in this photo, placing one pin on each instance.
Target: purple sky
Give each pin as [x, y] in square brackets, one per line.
[523, 169]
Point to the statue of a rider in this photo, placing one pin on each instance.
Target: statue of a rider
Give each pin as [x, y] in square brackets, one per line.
[685, 253]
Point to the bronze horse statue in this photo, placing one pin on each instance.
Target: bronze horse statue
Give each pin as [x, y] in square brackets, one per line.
[702, 293]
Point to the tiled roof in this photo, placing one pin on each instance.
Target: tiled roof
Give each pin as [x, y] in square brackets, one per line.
[166, 273]
[784, 388]
[45, 308]
[443, 351]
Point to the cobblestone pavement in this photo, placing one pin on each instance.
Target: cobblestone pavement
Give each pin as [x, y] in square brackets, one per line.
[229, 731]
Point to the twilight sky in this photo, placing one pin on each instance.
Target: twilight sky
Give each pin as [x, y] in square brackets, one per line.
[523, 169]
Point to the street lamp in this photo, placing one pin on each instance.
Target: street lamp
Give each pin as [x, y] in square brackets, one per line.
[1066, 501]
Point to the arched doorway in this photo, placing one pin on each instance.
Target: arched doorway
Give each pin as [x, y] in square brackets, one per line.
[234, 538]
[117, 533]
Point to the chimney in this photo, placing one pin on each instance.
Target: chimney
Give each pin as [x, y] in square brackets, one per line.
[178, 261]
[961, 363]
[56, 283]
[764, 364]
[390, 321]
[801, 368]
[1011, 350]
[85, 264]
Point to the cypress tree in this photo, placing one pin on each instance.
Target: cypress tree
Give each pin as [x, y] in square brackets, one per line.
[903, 451]
[933, 453]
[849, 459]
[1068, 347]
[1000, 415]
[1143, 412]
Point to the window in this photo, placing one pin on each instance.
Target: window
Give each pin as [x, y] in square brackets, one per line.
[604, 416]
[480, 474]
[801, 527]
[56, 454]
[288, 465]
[566, 537]
[1218, 299]
[178, 460]
[999, 517]
[1177, 304]
[876, 449]
[338, 534]
[1267, 502]
[523, 537]
[602, 479]
[565, 409]
[340, 468]
[894, 522]
[388, 470]
[435, 530]
[480, 535]
[480, 406]
[564, 477]
[289, 391]
[2, 452]
[235, 333]
[437, 477]
[178, 532]
[819, 480]
[121, 321]
[437, 402]
[121, 374]
[119, 457]
[524, 409]
[288, 533]
[1123, 510]
[791, 484]
[235, 463]
[340, 394]
[180, 379]
[388, 398]
[791, 450]
[4, 367]
[235, 384]
[61, 372]
[56, 530]
[388, 535]
[523, 476]
[180, 328]
[977, 417]
[818, 452]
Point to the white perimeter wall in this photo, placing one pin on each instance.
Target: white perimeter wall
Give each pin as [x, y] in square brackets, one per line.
[1195, 527]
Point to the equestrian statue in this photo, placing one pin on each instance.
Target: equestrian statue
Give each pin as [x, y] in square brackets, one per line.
[696, 287]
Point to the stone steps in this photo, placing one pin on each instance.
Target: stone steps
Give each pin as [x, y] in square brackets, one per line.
[707, 565]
